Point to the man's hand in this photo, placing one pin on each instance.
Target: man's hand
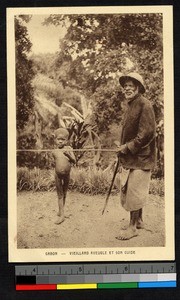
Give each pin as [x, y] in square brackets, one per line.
[123, 149]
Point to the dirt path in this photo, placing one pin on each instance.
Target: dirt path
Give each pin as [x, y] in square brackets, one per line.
[84, 225]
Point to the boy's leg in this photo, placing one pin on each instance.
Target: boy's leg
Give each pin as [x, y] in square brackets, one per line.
[131, 230]
[66, 179]
[59, 188]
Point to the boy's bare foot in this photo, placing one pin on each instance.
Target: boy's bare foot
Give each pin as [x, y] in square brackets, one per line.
[127, 234]
[59, 220]
[68, 216]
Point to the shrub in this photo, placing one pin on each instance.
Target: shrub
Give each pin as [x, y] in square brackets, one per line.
[35, 179]
[84, 180]
[157, 187]
[90, 180]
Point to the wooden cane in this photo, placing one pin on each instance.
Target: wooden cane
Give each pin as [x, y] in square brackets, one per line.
[111, 186]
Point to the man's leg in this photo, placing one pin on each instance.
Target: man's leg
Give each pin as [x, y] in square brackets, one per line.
[140, 224]
[59, 188]
[131, 230]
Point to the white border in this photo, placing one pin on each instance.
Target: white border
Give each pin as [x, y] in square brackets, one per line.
[141, 253]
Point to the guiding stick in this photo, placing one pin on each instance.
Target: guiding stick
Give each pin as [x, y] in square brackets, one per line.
[112, 183]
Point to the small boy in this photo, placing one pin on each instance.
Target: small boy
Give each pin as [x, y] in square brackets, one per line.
[64, 157]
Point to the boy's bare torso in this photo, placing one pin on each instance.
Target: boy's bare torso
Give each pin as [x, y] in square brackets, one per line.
[62, 162]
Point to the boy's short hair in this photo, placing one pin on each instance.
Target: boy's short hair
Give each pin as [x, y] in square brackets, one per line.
[61, 131]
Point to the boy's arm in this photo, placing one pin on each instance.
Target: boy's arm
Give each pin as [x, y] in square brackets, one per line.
[69, 153]
[53, 153]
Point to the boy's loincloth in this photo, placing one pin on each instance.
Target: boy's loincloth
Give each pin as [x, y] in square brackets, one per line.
[135, 189]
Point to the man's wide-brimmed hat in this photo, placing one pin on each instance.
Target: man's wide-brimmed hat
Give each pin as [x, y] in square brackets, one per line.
[135, 77]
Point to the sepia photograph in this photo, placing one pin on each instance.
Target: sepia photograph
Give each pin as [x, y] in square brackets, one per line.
[90, 134]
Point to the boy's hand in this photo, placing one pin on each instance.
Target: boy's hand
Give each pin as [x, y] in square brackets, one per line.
[68, 154]
[123, 149]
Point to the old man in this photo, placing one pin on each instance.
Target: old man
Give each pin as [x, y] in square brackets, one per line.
[137, 152]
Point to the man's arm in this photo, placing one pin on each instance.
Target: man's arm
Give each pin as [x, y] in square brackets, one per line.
[146, 130]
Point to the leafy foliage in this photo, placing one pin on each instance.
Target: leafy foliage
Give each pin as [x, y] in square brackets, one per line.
[85, 73]
[85, 180]
[24, 73]
[101, 47]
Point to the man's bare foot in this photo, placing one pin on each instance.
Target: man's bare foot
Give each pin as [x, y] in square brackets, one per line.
[59, 220]
[140, 224]
[127, 234]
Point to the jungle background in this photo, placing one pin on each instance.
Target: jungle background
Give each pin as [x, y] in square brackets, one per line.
[78, 88]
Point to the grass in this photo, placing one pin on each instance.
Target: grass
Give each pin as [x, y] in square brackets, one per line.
[85, 180]
[90, 180]
[35, 179]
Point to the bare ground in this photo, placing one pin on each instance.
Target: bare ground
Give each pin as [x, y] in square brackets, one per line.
[84, 225]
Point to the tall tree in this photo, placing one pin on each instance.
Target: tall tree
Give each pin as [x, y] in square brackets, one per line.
[101, 46]
[24, 72]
